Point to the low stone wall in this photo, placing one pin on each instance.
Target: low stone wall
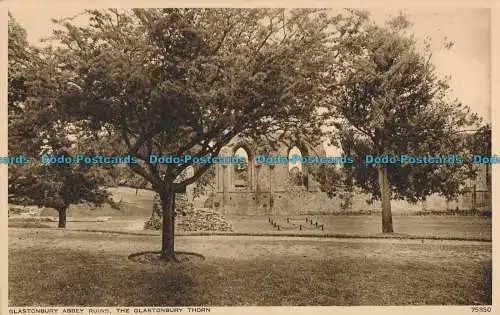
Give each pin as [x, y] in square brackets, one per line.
[304, 202]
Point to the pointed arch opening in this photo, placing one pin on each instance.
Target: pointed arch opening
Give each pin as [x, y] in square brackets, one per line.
[241, 171]
[296, 172]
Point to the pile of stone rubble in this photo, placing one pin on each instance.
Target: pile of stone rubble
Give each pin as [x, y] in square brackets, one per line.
[193, 220]
[202, 220]
[189, 219]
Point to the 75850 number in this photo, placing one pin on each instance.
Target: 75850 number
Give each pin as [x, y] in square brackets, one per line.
[481, 309]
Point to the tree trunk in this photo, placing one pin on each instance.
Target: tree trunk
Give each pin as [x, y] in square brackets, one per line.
[168, 225]
[62, 217]
[385, 194]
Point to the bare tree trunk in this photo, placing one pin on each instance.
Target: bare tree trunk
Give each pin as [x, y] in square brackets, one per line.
[385, 194]
[168, 225]
[62, 217]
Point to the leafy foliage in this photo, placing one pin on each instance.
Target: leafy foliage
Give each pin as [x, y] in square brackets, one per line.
[389, 101]
[185, 81]
[480, 141]
[36, 127]
[56, 186]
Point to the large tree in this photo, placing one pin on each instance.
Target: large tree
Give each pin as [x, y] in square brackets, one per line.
[36, 127]
[390, 101]
[186, 81]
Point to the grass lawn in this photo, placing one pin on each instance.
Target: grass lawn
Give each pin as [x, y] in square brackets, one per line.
[443, 226]
[462, 227]
[137, 208]
[467, 227]
[56, 267]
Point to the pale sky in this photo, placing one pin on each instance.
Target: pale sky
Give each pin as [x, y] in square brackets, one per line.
[468, 62]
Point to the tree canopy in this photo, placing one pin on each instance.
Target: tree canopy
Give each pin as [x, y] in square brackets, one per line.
[36, 127]
[186, 81]
[390, 101]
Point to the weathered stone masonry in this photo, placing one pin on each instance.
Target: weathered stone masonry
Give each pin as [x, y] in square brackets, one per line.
[268, 189]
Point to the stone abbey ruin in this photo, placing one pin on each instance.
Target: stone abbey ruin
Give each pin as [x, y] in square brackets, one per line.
[267, 189]
[289, 189]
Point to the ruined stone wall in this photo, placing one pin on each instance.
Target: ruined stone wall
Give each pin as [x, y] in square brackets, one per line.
[270, 192]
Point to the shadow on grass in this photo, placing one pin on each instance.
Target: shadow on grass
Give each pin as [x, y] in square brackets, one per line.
[28, 225]
[155, 257]
[62, 278]
[488, 285]
[44, 276]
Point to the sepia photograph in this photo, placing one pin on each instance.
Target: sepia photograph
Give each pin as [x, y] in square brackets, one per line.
[182, 159]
